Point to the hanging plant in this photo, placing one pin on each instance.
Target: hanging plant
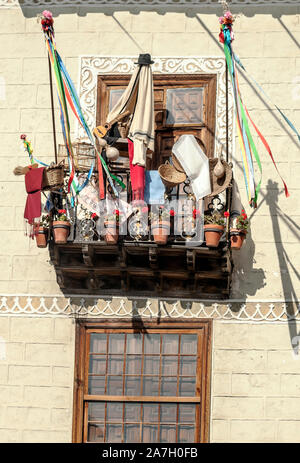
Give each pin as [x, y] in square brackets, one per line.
[239, 230]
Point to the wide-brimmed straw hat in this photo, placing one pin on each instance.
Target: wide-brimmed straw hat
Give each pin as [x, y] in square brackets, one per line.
[219, 184]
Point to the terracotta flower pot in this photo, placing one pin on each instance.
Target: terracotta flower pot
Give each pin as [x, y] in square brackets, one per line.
[61, 231]
[41, 237]
[237, 238]
[160, 231]
[111, 231]
[213, 233]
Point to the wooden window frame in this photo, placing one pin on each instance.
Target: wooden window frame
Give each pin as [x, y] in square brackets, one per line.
[84, 327]
[163, 81]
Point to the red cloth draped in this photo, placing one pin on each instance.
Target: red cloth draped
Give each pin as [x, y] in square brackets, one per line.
[33, 185]
[137, 175]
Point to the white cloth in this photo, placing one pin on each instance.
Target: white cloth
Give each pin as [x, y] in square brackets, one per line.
[195, 164]
[139, 99]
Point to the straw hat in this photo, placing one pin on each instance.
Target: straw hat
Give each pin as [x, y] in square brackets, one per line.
[219, 184]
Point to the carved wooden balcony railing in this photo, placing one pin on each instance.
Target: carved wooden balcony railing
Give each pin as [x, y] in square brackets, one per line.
[136, 265]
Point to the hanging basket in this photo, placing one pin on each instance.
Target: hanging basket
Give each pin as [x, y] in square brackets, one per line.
[177, 164]
[170, 176]
[84, 155]
[53, 176]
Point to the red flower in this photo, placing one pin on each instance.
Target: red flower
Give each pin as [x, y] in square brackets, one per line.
[94, 215]
[196, 213]
[23, 137]
[62, 211]
[172, 212]
[117, 212]
[226, 214]
[244, 216]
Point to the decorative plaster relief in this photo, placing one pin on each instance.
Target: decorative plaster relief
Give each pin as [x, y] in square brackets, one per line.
[117, 307]
[124, 3]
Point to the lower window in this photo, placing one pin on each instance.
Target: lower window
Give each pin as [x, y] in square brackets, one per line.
[142, 382]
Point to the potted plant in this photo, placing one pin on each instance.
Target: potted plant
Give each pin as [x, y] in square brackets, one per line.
[160, 225]
[213, 229]
[239, 230]
[42, 231]
[111, 224]
[61, 227]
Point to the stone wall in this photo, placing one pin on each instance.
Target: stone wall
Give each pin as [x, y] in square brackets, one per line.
[255, 384]
[36, 379]
[268, 45]
[255, 376]
[254, 390]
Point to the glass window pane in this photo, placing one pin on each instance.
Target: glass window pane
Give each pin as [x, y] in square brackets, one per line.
[113, 433]
[188, 366]
[96, 411]
[114, 385]
[97, 364]
[169, 365]
[184, 105]
[150, 385]
[186, 434]
[170, 343]
[132, 412]
[95, 432]
[151, 365]
[133, 364]
[187, 413]
[188, 344]
[132, 385]
[152, 343]
[150, 413]
[187, 387]
[168, 413]
[96, 385]
[115, 364]
[131, 433]
[98, 343]
[149, 433]
[134, 344]
[114, 412]
[116, 343]
[167, 433]
[168, 386]
[114, 96]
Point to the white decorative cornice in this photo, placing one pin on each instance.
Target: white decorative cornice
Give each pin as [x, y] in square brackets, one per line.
[78, 307]
[149, 3]
[92, 66]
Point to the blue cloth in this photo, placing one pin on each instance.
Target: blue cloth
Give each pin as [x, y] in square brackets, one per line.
[154, 188]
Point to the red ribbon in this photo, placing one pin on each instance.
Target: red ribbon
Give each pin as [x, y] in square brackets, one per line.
[269, 151]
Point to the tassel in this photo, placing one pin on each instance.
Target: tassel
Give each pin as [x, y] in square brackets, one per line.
[19, 170]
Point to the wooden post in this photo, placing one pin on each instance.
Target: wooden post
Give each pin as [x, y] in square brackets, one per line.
[52, 110]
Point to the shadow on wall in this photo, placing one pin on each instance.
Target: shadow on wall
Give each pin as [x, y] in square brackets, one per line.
[189, 9]
[285, 264]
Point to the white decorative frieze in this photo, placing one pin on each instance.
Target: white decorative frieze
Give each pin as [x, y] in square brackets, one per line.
[92, 66]
[149, 3]
[117, 307]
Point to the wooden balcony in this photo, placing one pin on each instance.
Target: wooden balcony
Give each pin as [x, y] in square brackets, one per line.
[137, 266]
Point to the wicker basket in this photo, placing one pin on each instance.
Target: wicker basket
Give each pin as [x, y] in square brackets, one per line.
[170, 176]
[84, 155]
[53, 176]
[177, 164]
